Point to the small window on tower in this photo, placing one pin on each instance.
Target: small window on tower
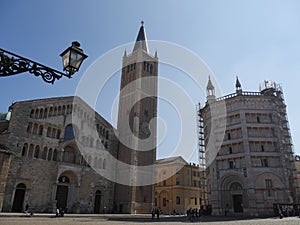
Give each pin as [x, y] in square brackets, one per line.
[228, 136]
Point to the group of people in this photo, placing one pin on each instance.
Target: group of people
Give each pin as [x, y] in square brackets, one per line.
[155, 212]
[193, 214]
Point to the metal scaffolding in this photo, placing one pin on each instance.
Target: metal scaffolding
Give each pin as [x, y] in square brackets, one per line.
[201, 155]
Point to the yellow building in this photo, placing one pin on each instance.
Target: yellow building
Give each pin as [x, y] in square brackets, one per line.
[178, 186]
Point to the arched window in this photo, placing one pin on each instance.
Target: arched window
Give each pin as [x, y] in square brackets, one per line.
[41, 113]
[55, 111]
[37, 152]
[55, 155]
[41, 130]
[44, 154]
[24, 149]
[53, 133]
[64, 110]
[68, 109]
[51, 111]
[59, 110]
[36, 114]
[30, 153]
[58, 134]
[106, 134]
[49, 154]
[29, 127]
[105, 145]
[69, 133]
[35, 128]
[69, 155]
[46, 113]
[32, 113]
[48, 132]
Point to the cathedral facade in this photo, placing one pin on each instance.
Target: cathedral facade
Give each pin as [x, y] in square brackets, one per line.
[47, 169]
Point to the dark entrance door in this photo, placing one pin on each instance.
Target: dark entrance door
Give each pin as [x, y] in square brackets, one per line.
[97, 202]
[62, 196]
[19, 198]
[237, 203]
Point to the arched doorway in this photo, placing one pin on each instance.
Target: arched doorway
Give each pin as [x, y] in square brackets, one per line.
[19, 198]
[236, 191]
[62, 192]
[97, 205]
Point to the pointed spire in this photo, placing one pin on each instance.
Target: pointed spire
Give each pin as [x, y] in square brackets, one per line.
[238, 84]
[141, 40]
[125, 53]
[155, 55]
[209, 86]
[210, 89]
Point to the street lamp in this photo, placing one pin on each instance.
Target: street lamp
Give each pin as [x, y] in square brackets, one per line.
[12, 64]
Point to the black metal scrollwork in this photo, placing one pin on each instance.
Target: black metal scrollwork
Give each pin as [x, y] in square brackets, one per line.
[11, 64]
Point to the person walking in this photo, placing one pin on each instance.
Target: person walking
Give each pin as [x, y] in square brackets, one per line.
[157, 213]
[153, 213]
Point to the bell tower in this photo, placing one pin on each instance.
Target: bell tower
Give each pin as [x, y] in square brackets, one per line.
[137, 129]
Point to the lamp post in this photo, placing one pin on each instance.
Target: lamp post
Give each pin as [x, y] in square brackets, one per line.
[12, 64]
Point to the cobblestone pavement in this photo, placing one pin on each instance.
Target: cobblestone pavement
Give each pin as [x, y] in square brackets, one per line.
[136, 220]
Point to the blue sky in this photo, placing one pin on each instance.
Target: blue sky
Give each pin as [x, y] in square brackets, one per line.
[254, 39]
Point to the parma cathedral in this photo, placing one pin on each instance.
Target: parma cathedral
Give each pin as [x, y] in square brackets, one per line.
[41, 161]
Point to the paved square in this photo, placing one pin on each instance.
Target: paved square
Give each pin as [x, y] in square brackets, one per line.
[136, 220]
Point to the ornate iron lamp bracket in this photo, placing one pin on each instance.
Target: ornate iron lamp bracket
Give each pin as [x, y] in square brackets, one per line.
[12, 64]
